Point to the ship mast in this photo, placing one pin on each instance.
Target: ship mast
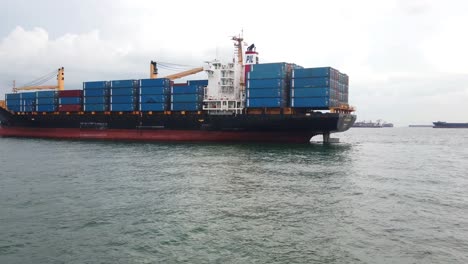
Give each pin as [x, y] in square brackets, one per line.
[238, 44]
[238, 49]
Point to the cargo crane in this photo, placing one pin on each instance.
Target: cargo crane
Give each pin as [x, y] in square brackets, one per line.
[154, 72]
[36, 84]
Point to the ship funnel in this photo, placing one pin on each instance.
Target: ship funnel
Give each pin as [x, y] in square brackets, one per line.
[251, 58]
[251, 55]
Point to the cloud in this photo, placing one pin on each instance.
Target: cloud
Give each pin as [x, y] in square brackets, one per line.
[406, 59]
[28, 54]
[413, 99]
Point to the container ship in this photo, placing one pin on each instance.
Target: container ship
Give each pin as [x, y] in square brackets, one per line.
[440, 124]
[239, 101]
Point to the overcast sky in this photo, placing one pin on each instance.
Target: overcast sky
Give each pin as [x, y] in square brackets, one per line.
[407, 60]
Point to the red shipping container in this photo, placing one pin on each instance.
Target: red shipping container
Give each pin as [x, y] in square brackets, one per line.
[69, 108]
[70, 93]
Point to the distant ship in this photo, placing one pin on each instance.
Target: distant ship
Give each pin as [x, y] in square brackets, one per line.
[420, 126]
[387, 125]
[377, 124]
[440, 124]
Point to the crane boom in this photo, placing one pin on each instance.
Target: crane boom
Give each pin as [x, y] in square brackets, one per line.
[154, 72]
[60, 83]
[184, 73]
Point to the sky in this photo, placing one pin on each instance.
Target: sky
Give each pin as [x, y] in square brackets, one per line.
[407, 59]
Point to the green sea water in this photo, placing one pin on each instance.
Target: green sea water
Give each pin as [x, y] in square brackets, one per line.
[390, 195]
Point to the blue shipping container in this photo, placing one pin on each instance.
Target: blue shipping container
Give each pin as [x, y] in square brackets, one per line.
[95, 100]
[46, 100]
[15, 108]
[266, 93]
[46, 94]
[123, 91]
[312, 72]
[95, 85]
[295, 66]
[266, 83]
[277, 66]
[193, 106]
[265, 102]
[13, 101]
[255, 75]
[149, 90]
[189, 89]
[95, 107]
[69, 100]
[157, 98]
[123, 83]
[185, 98]
[310, 82]
[96, 92]
[198, 82]
[154, 107]
[123, 99]
[13, 96]
[310, 102]
[29, 108]
[310, 92]
[46, 108]
[155, 82]
[28, 102]
[122, 107]
[28, 95]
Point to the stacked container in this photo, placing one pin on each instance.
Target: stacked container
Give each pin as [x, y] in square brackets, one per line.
[187, 97]
[96, 96]
[318, 88]
[123, 95]
[46, 101]
[70, 100]
[154, 94]
[14, 103]
[198, 82]
[268, 85]
[345, 93]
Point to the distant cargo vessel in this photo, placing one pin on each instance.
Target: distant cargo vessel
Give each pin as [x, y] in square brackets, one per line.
[241, 101]
[440, 124]
[420, 126]
[387, 125]
[378, 124]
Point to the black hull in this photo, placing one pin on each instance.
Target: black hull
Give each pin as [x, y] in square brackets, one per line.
[305, 125]
[450, 125]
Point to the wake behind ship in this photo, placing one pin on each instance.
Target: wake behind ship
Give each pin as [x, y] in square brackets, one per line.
[241, 101]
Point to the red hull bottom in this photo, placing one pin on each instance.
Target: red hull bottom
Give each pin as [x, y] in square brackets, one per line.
[156, 135]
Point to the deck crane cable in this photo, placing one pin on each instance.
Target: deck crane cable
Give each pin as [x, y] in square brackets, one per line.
[167, 68]
[175, 64]
[171, 67]
[46, 76]
[41, 79]
[38, 82]
[45, 79]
